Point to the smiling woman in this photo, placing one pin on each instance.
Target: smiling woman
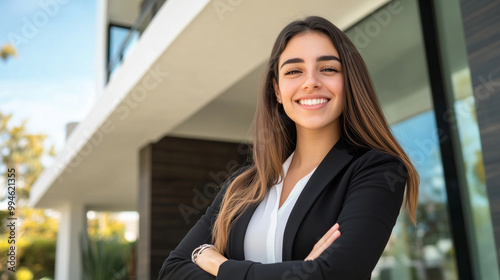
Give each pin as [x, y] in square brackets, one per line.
[310, 83]
[327, 180]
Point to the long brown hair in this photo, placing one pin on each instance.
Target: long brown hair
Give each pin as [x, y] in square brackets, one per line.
[362, 123]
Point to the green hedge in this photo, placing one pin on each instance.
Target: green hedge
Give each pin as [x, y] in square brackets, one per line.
[38, 255]
[103, 258]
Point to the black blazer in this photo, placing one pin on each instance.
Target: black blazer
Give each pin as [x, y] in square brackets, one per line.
[360, 189]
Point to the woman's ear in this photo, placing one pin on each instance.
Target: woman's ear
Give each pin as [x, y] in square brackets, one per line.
[277, 90]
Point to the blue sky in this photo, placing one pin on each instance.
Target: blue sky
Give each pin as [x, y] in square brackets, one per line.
[51, 81]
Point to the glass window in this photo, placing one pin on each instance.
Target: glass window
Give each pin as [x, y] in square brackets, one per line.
[117, 37]
[122, 39]
[463, 116]
[390, 40]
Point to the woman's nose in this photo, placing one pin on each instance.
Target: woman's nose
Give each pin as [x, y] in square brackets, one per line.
[311, 81]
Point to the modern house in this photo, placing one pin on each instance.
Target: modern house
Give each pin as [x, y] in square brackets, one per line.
[178, 82]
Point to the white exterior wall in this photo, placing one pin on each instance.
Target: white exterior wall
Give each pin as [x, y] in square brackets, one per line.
[101, 46]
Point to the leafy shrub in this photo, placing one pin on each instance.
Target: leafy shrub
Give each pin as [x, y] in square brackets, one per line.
[104, 258]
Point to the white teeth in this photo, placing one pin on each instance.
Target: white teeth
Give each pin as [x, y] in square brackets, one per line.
[313, 101]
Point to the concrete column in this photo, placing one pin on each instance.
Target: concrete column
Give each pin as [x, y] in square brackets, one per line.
[68, 258]
[144, 204]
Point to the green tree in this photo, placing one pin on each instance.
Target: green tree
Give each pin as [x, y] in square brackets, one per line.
[105, 226]
[36, 239]
[23, 151]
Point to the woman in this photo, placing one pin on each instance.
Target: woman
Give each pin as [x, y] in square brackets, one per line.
[327, 180]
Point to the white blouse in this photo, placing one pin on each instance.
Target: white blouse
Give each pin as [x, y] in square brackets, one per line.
[264, 236]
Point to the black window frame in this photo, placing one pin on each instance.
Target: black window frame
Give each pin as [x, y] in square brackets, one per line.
[448, 145]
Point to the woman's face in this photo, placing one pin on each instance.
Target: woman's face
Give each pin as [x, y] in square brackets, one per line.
[311, 84]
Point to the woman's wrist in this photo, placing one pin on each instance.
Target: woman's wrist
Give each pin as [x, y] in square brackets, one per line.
[208, 258]
[215, 259]
[199, 250]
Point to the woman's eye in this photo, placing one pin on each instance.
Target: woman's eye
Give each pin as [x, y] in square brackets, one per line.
[291, 72]
[329, 69]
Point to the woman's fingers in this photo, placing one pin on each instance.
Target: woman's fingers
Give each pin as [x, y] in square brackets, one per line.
[332, 238]
[328, 234]
[325, 241]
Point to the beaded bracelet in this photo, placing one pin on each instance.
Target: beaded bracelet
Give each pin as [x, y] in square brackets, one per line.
[200, 249]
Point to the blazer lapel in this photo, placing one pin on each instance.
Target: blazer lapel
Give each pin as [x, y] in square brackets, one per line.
[237, 234]
[331, 165]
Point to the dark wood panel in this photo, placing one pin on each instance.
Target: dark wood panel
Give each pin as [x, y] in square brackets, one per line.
[481, 19]
[184, 176]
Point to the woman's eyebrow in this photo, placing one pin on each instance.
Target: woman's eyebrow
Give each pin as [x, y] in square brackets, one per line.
[321, 58]
[328, 57]
[292, 60]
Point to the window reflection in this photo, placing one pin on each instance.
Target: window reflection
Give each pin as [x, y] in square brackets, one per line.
[425, 251]
[117, 37]
[395, 57]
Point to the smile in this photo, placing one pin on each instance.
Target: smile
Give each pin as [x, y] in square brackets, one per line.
[312, 101]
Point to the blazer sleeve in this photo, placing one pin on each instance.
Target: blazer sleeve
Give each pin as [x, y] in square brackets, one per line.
[178, 265]
[372, 203]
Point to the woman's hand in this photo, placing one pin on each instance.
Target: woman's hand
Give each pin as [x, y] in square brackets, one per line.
[324, 243]
[210, 260]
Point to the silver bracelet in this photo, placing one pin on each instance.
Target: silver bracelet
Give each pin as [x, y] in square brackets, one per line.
[200, 249]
